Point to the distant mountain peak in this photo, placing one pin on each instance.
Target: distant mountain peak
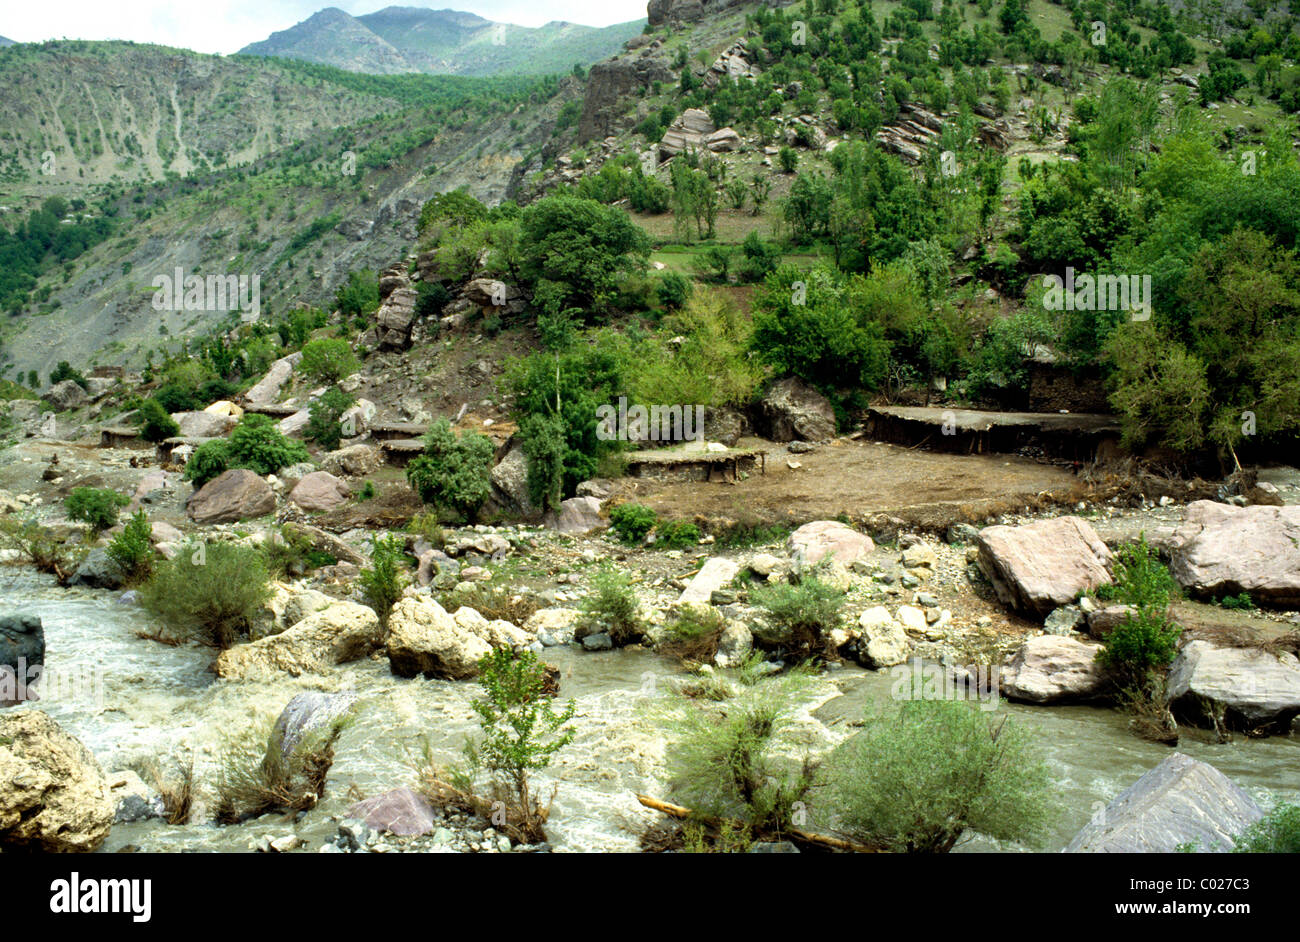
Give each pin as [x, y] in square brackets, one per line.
[400, 39]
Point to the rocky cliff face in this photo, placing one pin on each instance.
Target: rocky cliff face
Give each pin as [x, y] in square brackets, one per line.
[659, 12]
[609, 81]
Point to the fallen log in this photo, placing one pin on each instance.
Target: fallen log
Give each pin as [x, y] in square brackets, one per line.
[799, 836]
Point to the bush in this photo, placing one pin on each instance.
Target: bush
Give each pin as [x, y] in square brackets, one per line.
[453, 473]
[256, 443]
[632, 522]
[1141, 580]
[95, 506]
[132, 549]
[676, 534]
[1278, 832]
[325, 425]
[382, 581]
[611, 607]
[788, 158]
[257, 777]
[359, 296]
[920, 775]
[210, 460]
[728, 762]
[674, 290]
[155, 424]
[41, 545]
[521, 733]
[210, 594]
[328, 360]
[798, 617]
[692, 634]
[1141, 643]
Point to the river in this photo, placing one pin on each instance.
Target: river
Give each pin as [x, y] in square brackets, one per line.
[130, 700]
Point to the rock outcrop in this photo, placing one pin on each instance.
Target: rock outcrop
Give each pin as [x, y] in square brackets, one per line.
[690, 130]
[54, 797]
[609, 81]
[394, 319]
[1045, 564]
[1181, 801]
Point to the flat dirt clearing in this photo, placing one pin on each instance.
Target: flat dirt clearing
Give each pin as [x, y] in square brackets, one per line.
[860, 478]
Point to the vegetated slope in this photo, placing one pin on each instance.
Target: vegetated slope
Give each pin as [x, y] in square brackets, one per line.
[410, 39]
[74, 114]
[300, 219]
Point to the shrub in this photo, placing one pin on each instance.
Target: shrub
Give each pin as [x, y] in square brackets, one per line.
[1241, 602]
[1141, 580]
[210, 460]
[632, 522]
[325, 425]
[41, 545]
[430, 298]
[521, 733]
[382, 581]
[210, 594]
[1141, 643]
[359, 295]
[798, 616]
[453, 473]
[257, 777]
[611, 607]
[921, 774]
[676, 534]
[1147, 640]
[95, 506]
[132, 549]
[174, 397]
[1278, 832]
[327, 360]
[692, 633]
[155, 424]
[728, 762]
[288, 552]
[674, 290]
[256, 443]
[788, 158]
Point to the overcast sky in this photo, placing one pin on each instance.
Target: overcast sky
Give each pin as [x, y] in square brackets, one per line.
[225, 26]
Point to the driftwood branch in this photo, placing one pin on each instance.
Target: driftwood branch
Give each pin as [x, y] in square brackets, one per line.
[799, 836]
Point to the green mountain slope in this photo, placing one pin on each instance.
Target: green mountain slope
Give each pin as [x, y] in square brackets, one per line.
[411, 39]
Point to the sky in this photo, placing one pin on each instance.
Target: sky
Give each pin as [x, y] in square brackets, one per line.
[226, 26]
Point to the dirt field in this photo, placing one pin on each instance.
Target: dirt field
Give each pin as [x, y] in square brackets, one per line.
[860, 479]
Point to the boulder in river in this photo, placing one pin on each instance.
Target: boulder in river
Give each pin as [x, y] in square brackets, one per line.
[399, 811]
[1045, 564]
[1181, 801]
[237, 494]
[343, 632]
[1051, 669]
[423, 639]
[1221, 550]
[308, 712]
[22, 648]
[97, 571]
[54, 797]
[1254, 687]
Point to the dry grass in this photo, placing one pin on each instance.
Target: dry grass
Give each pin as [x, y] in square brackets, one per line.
[175, 786]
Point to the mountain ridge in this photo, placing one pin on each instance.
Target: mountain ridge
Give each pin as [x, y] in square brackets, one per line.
[404, 39]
